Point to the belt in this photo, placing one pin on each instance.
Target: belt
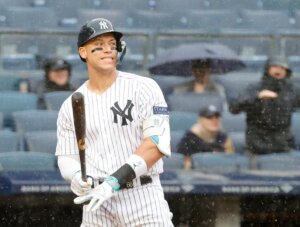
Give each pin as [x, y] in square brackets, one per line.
[142, 180]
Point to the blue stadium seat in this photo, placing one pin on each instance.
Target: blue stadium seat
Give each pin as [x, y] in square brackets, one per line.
[175, 161]
[278, 162]
[9, 83]
[55, 99]
[219, 162]
[42, 141]
[168, 82]
[193, 102]
[76, 63]
[19, 62]
[9, 141]
[34, 120]
[233, 122]
[176, 5]
[27, 161]
[12, 101]
[296, 129]
[234, 4]
[182, 120]
[239, 141]
[31, 17]
[1, 120]
[175, 139]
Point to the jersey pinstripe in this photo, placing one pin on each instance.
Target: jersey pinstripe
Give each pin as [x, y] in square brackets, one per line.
[113, 123]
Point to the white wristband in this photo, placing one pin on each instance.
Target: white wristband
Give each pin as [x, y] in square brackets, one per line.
[138, 164]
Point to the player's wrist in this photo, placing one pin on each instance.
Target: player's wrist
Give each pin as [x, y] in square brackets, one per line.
[113, 182]
[138, 164]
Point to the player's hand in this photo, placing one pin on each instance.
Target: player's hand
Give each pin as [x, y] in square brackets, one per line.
[267, 94]
[80, 187]
[96, 196]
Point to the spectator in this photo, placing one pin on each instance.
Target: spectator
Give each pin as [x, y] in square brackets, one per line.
[269, 104]
[205, 136]
[57, 78]
[201, 71]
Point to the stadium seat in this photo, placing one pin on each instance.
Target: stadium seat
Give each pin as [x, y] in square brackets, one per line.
[265, 20]
[27, 161]
[193, 102]
[233, 122]
[55, 99]
[278, 162]
[296, 129]
[234, 4]
[176, 5]
[9, 83]
[42, 141]
[182, 120]
[31, 17]
[9, 141]
[168, 82]
[118, 18]
[239, 141]
[1, 120]
[219, 162]
[19, 62]
[34, 120]
[175, 161]
[12, 101]
[76, 63]
[126, 6]
[175, 139]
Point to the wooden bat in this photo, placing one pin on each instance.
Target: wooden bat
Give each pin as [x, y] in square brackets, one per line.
[79, 124]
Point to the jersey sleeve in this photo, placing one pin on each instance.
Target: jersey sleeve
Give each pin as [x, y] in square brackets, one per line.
[151, 100]
[66, 137]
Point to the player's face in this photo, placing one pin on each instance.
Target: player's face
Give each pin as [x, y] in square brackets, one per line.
[100, 52]
[277, 72]
[59, 77]
[211, 124]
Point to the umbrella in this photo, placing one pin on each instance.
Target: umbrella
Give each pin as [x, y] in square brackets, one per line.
[177, 60]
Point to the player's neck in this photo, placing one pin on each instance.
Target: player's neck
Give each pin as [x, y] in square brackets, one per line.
[100, 82]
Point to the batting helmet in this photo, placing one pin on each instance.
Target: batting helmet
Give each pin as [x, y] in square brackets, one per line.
[96, 27]
[280, 61]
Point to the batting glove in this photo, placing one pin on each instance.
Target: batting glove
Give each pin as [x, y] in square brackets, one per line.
[80, 187]
[100, 194]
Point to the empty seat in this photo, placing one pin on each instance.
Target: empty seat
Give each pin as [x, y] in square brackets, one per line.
[175, 161]
[1, 120]
[296, 129]
[27, 161]
[19, 62]
[42, 141]
[9, 141]
[31, 17]
[35, 120]
[168, 82]
[233, 122]
[182, 120]
[278, 162]
[234, 4]
[176, 5]
[266, 20]
[239, 141]
[76, 63]
[118, 18]
[175, 139]
[193, 102]
[12, 101]
[9, 83]
[55, 99]
[219, 162]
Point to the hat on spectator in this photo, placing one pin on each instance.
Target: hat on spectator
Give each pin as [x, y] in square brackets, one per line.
[209, 111]
[54, 64]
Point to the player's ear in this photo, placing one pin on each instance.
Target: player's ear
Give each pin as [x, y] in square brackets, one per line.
[82, 52]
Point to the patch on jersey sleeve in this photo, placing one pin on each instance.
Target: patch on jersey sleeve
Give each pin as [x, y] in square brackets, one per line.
[160, 110]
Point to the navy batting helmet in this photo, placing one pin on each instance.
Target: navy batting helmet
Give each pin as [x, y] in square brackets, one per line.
[96, 27]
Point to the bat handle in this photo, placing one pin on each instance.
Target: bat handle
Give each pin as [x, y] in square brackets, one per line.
[82, 165]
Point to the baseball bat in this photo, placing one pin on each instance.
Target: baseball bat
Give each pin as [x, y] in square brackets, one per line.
[79, 124]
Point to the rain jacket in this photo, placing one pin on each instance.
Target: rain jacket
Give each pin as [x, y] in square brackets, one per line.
[268, 121]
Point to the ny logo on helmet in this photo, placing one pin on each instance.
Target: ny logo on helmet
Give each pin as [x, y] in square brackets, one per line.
[103, 25]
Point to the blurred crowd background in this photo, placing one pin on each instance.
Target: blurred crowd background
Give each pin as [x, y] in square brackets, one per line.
[40, 67]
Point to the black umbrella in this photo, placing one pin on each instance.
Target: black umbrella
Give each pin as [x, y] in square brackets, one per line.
[177, 60]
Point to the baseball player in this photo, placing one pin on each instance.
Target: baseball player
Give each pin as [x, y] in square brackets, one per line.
[127, 134]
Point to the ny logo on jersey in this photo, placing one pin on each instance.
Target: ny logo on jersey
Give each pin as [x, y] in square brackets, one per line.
[118, 111]
[103, 25]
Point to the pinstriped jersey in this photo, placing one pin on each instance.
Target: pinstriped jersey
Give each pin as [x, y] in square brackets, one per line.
[114, 121]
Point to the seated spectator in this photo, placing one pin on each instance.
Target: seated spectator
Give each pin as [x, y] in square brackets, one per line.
[201, 71]
[57, 78]
[269, 104]
[205, 136]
